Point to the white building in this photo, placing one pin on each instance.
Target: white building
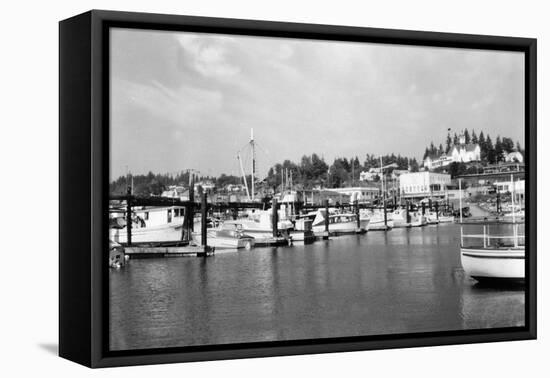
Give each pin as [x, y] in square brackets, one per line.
[432, 162]
[369, 175]
[513, 156]
[459, 153]
[465, 153]
[177, 192]
[423, 184]
[361, 194]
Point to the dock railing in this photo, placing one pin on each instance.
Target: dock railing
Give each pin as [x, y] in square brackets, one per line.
[486, 240]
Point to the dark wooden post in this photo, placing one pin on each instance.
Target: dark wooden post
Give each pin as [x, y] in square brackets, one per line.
[423, 208]
[430, 205]
[498, 201]
[129, 216]
[437, 209]
[190, 224]
[204, 216]
[275, 217]
[408, 208]
[326, 217]
[357, 214]
[184, 223]
[385, 215]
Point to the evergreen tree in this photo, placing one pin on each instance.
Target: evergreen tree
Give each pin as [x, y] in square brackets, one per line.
[507, 144]
[474, 137]
[490, 150]
[467, 139]
[499, 150]
[455, 139]
[448, 143]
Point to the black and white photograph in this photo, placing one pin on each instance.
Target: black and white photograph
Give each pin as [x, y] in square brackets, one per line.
[276, 189]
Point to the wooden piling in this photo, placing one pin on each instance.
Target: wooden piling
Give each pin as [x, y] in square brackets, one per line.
[437, 209]
[385, 215]
[129, 216]
[423, 208]
[407, 210]
[356, 203]
[326, 219]
[275, 217]
[204, 219]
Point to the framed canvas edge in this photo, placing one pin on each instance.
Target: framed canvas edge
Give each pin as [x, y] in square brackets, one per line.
[98, 293]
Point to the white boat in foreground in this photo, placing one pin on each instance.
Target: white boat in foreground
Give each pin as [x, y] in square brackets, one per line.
[487, 256]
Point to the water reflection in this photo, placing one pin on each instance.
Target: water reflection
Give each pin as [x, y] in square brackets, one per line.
[405, 280]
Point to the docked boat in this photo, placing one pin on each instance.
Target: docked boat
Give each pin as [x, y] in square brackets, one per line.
[493, 250]
[432, 218]
[149, 224]
[376, 220]
[399, 217]
[338, 223]
[117, 256]
[259, 225]
[226, 235]
[446, 219]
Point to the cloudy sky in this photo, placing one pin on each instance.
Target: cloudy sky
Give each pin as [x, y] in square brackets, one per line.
[184, 100]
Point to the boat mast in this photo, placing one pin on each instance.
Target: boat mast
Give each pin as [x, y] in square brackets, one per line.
[253, 160]
[243, 174]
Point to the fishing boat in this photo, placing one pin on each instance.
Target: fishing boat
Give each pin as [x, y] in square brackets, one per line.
[226, 235]
[446, 218]
[399, 217]
[149, 224]
[494, 251]
[432, 218]
[376, 220]
[344, 223]
[259, 225]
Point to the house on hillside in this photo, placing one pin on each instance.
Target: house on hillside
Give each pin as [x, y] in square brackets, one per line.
[460, 153]
[465, 153]
[513, 157]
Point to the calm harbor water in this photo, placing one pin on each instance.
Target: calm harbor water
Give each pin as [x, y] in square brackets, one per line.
[405, 280]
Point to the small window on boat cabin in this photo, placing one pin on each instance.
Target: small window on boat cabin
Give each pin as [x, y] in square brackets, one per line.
[169, 216]
[146, 215]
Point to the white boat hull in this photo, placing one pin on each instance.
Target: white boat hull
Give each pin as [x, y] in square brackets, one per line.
[486, 264]
[379, 225]
[163, 233]
[218, 242]
[343, 227]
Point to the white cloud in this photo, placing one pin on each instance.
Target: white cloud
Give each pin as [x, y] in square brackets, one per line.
[208, 54]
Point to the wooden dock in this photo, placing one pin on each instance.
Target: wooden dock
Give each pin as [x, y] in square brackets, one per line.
[145, 251]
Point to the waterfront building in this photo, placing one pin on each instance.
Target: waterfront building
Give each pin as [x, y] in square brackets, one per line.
[358, 193]
[318, 196]
[518, 187]
[423, 184]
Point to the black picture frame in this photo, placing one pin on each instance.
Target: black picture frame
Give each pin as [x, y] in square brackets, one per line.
[83, 181]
